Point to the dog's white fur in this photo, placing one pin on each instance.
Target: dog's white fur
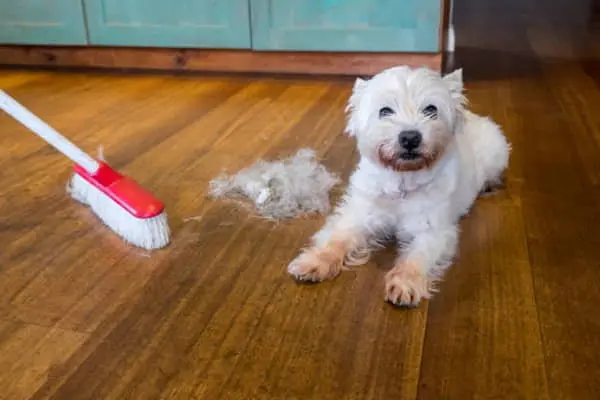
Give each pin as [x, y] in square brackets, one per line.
[419, 201]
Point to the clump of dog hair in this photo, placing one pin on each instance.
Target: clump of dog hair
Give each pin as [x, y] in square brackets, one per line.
[280, 189]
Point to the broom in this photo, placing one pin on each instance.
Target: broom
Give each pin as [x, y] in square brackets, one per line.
[124, 206]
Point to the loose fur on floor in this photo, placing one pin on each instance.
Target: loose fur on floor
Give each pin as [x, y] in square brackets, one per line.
[424, 160]
[280, 189]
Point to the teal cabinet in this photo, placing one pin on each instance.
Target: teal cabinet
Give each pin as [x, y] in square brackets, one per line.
[346, 25]
[169, 23]
[58, 22]
[267, 25]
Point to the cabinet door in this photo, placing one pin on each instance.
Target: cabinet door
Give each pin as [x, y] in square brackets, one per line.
[52, 22]
[164, 23]
[346, 25]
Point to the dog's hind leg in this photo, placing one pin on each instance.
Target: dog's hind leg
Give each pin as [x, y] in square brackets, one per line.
[490, 149]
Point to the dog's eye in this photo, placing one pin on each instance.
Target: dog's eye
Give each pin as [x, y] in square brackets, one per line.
[431, 111]
[385, 112]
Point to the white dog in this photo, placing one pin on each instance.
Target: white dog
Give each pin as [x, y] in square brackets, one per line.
[424, 160]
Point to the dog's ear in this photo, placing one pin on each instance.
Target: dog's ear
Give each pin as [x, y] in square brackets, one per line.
[359, 84]
[357, 92]
[454, 82]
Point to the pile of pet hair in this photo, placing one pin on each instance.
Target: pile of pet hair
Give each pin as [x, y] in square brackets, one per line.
[280, 189]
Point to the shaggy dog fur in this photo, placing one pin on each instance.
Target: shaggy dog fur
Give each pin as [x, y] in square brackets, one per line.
[424, 160]
[281, 189]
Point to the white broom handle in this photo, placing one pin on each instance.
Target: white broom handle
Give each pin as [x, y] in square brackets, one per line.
[43, 130]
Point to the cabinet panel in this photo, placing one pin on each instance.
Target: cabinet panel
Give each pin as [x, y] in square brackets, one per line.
[346, 25]
[42, 22]
[162, 23]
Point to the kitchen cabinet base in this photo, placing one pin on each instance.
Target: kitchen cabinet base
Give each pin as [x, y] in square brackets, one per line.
[313, 63]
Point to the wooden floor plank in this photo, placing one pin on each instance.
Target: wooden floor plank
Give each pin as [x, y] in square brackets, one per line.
[561, 218]
[578, 96]
[30, 354]
[215, 316]
[563, 240]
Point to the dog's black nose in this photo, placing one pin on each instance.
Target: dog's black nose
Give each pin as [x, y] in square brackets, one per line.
[410, 140]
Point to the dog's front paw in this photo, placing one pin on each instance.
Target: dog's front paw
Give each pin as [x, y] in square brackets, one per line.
[406, 286]
[317, 264]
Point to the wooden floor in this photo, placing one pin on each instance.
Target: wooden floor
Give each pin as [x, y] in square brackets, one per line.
[215, 316]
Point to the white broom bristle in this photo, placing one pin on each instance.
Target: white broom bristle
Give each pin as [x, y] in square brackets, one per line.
[150, 233]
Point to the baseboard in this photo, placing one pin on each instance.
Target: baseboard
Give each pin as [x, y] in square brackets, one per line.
[314, 63]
